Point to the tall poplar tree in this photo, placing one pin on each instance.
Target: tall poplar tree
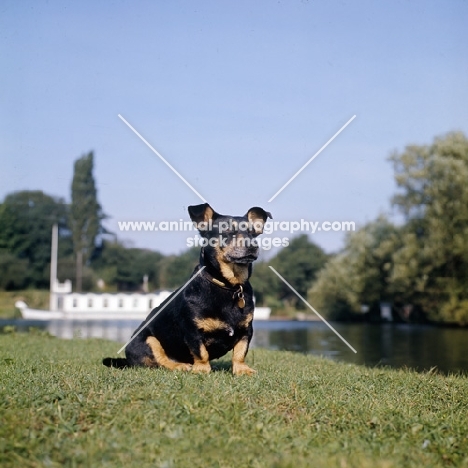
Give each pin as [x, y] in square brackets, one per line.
[85, 213]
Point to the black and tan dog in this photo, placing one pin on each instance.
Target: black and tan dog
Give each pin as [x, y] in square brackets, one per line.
[214, 313]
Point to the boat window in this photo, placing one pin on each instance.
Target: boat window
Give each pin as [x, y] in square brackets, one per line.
[150, 304]
[90, 302]
[75, 302]
[120, 302]
[135, 302]
[106, 302]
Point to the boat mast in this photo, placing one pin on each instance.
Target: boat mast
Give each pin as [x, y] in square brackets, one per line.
[53, 268]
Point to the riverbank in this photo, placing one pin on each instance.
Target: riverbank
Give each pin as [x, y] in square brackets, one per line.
[60, 407]
[35, 298]
[384, 345]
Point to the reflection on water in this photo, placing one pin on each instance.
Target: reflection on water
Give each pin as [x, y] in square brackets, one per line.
[414, 346]
[418, 347]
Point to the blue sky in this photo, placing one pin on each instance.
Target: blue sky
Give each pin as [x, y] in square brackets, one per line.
[236, 95]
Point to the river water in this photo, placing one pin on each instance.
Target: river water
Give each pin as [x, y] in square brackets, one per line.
[418, 347]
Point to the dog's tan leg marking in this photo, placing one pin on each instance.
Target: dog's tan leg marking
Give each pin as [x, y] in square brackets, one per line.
[201, 363]
[239, 367]
[161, 357]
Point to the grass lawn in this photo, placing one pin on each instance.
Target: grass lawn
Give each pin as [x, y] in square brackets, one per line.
[60, 407]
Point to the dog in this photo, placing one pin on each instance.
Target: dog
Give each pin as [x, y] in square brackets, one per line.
[213, 314]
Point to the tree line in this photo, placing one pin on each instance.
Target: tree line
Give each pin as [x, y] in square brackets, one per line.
[419, 265]
[87, 251]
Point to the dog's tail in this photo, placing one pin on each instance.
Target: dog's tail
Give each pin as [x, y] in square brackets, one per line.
[118, 363]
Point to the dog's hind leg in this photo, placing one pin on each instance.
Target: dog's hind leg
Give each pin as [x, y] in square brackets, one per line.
[161, 357]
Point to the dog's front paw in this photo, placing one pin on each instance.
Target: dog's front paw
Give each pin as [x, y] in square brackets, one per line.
[201, 368]
[183, 367]
[242, 369]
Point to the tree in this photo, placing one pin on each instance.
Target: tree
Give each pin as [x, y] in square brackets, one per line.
[176, 269]
[124, 268]
[15, 272]
[85, 213]
[360, 274]
[26, 220]
[432, 266]
[425, 262]
[266, 286]
[298, 263]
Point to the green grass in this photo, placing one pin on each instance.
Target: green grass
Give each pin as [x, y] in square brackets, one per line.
[60, 407]
[35, 298]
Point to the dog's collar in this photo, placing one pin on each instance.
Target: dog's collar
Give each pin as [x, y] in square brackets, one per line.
[216, 281]
[237, 290]
[207, 275]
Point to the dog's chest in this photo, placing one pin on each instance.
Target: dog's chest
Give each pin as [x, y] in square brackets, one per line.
[220, 334]
[226, 319]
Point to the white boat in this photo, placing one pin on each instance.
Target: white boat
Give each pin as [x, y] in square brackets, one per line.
[262, 313]
[95, 306]
[103, 306]
[90, 309]
[37, 314]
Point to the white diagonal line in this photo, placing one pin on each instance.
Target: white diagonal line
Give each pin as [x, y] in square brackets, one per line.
[312, 158]
[161, 309]
[161, 157]
[310, 307]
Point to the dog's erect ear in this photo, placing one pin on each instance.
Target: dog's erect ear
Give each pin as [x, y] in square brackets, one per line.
[202, 215]
[257, 217]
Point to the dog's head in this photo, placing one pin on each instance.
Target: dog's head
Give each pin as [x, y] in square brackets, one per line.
[229, 239]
